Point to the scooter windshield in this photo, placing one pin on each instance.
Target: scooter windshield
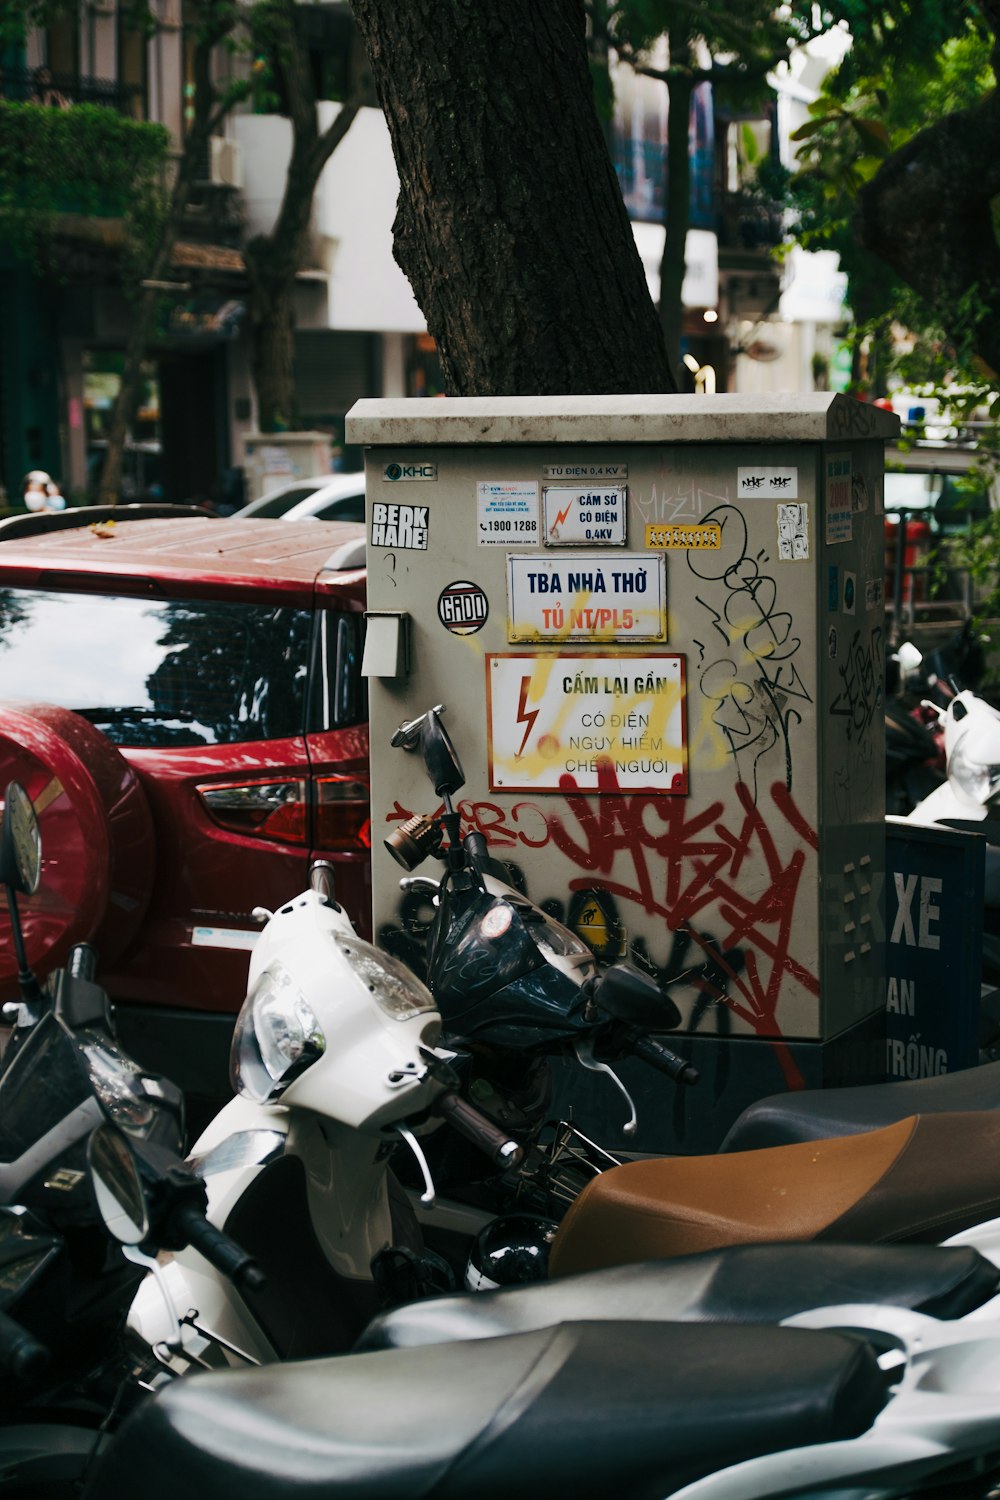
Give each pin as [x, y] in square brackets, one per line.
[503, 962]
[44, 1083]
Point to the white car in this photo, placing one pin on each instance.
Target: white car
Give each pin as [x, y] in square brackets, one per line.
[325, 497]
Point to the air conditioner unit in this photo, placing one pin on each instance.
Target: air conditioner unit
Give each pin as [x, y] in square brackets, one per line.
[225, 162]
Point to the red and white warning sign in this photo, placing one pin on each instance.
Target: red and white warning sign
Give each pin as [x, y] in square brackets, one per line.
[587, 723]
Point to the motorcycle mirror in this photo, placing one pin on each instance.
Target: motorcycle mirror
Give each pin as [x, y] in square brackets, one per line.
[909, 656]
[117, 1186]
[627, 994]
[443, 765]
[20, 842]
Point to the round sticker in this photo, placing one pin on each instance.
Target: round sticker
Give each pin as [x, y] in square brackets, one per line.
[496, 921]
[463, 607]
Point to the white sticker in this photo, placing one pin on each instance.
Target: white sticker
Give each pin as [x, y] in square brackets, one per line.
[768, 482]
[401, 527]
[507, 511]
[223, 937]
[596, 722]
[839, 516]
[874, 593]
[793, 532]
[578, 515]
[588, 597]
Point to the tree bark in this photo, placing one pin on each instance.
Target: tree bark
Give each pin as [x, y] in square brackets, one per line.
[928, 214]
[510, 224]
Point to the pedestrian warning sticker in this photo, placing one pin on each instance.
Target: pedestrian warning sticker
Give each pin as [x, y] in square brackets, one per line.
[568, 723]
[685, 535]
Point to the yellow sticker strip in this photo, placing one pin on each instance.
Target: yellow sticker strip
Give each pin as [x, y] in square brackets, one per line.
[695, 534]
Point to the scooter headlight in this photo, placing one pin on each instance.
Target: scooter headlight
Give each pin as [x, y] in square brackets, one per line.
[395, 989]
[277, 1037]
[974, 779]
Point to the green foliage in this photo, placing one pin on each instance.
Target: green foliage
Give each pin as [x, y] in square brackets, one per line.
[911, 62]
[83, 160]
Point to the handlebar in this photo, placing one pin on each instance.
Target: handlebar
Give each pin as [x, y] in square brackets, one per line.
[661, 1057]
[20, 1352]
[81, 961]
[218, 1249]
[478, 1129]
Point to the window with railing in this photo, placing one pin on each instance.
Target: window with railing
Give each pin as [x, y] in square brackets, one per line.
[31, 85]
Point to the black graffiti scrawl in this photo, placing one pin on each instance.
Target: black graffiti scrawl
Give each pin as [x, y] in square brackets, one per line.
[862, 674]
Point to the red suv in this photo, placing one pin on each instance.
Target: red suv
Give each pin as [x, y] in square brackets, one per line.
[182, 697]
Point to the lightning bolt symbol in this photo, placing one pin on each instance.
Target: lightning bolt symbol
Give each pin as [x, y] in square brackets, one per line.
[525, 715]
[560, 518]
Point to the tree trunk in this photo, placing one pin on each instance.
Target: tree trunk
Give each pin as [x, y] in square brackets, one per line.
[928, 213]
[510, 224]
[676, 206]
[272, 334]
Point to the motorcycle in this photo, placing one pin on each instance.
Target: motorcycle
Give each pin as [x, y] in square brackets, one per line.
[501, 1393]
[68, 1372]
[848, 1400]
[147, 1201]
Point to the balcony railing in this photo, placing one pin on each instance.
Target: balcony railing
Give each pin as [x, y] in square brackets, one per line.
[21, 86]
[748, 222]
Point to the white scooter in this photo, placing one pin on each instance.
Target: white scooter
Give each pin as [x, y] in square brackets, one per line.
[336, 1059]
[972, 750]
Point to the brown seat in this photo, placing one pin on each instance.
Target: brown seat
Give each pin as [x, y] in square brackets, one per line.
[922, 1179]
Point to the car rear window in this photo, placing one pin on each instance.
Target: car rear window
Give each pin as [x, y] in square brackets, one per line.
[159, 672]
[349, 508]
[279, 504]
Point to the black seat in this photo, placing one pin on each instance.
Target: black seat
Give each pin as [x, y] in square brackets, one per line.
[588, 1409]
[744, 1284]
[818, 1114]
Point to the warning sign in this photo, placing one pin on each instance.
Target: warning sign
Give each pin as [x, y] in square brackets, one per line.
[587, 723]
[578, 514]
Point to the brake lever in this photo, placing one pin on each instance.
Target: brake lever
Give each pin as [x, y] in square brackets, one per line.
[429, 1194]
[583, 1048]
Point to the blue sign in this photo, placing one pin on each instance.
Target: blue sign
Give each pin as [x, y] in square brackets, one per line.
[933, 955]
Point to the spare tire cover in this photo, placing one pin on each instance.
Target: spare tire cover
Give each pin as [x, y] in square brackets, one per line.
[97, 838]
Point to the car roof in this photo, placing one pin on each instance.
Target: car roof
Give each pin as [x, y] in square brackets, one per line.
[191, 554]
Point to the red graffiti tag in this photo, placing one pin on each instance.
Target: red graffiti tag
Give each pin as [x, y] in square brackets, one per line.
[679, 864]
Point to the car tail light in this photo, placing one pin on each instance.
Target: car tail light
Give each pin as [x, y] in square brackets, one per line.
[343, 818]
[264, 809]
